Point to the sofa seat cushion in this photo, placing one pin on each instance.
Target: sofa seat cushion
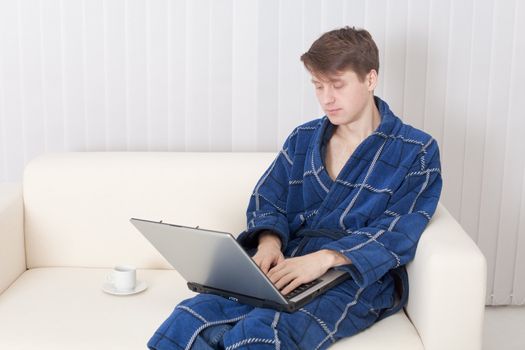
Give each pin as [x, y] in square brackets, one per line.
[65, 308]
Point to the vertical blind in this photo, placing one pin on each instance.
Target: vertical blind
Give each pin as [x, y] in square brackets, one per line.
[225, 75]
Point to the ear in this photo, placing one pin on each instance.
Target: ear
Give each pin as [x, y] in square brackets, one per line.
[371, 80]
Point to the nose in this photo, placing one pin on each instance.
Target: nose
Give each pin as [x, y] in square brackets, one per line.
[327, 96]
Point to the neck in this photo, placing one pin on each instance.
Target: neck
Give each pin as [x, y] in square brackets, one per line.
[362, 127]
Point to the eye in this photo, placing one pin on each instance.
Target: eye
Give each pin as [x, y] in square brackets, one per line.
[318, 87]
[338, 85]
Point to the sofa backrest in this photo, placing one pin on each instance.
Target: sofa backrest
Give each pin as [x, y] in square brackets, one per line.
[77, 206]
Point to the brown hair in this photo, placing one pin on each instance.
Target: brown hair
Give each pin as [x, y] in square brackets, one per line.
[342, 49]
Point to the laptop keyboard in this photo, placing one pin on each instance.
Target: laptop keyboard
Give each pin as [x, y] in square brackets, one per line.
[302, 288]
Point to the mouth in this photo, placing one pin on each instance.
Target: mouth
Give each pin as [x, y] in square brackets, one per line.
[332, 111]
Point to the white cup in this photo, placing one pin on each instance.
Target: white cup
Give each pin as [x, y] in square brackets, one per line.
[123, 277]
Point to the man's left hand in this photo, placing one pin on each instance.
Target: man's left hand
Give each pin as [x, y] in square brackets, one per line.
[292, 272]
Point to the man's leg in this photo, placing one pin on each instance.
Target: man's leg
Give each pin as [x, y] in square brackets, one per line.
[336, 314]
[211, 338]
[192, 318]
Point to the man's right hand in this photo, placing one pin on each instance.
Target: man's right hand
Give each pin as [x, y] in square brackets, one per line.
[268, 251]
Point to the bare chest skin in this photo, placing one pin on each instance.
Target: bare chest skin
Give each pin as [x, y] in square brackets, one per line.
[337, 154]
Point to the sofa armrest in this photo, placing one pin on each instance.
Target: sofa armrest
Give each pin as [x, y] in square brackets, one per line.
[447, 282]
[12, 248]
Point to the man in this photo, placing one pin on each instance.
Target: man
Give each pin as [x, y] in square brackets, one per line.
[352, 190]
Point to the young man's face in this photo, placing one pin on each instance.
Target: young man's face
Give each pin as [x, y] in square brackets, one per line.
[344, 97]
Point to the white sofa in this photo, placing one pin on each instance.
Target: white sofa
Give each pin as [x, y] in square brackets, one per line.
[67, 224]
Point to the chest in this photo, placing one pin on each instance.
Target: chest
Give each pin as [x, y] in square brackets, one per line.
[337, 155]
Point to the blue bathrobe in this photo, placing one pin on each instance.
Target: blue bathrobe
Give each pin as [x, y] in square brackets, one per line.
[373, 213]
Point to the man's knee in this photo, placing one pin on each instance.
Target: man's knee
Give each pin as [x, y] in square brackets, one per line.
[258, 329]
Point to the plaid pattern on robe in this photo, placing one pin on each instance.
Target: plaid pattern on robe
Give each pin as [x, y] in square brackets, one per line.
[373, 213]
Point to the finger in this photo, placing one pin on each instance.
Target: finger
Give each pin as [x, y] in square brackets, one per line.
[265, 265]
[261, 261]
[284, 280]
[278, 271]
[276, 259]
[280, 264]
[291, 286]
[276, 275]
[272, 271]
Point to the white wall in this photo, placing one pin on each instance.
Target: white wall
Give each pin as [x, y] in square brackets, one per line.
[205, 75]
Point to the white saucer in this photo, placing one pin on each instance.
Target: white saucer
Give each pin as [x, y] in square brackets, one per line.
[139, 287]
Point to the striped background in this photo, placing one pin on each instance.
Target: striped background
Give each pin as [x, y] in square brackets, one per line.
[225, 75]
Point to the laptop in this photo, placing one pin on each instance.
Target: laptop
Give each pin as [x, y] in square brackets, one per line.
[214, 262]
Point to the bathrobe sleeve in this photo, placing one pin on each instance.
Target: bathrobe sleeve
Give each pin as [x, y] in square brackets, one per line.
[267, 206]
[390, 240]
